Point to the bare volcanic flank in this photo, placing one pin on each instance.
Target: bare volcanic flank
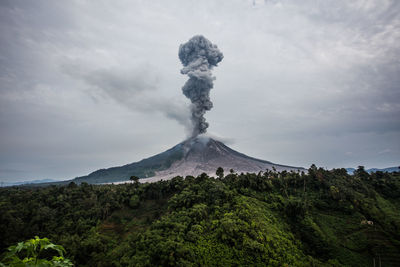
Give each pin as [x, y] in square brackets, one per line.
[191, 157]
[205, 155]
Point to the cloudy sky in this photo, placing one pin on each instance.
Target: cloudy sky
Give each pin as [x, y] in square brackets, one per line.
[93, 84]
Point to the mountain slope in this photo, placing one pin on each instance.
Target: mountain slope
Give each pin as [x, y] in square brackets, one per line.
[41, 181]
[371, 170]
[143, 168]
[191, 157]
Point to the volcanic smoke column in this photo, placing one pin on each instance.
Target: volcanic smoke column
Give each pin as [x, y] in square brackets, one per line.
[198, 57]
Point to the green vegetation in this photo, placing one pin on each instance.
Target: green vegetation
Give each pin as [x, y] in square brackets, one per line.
[322, 218]
[35, 252]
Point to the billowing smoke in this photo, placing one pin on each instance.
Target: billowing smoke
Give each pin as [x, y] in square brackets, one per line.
[135, 88]
[198, 57]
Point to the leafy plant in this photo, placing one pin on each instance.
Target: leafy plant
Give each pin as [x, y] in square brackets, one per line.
[319, 218]
[35, 252]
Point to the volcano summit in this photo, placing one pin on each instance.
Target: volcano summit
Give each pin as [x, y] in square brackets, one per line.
[191, 157]
[199, 153]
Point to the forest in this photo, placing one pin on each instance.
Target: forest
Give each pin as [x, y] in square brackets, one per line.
[318, 218]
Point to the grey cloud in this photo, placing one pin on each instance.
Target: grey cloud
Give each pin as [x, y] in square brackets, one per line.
[137, 89]
[301, 82]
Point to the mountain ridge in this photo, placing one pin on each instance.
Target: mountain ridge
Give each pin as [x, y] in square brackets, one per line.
[190, 157]
[371, 170]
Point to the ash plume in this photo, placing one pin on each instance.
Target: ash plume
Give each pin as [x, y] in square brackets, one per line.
[199, 56]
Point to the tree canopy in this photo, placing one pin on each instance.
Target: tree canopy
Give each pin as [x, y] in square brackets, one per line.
[318, 218]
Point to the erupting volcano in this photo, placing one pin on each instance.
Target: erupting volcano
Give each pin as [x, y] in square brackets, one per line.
[192, 157]
[199, 153]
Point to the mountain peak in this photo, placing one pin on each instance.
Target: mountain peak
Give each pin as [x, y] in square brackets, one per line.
[201, 154]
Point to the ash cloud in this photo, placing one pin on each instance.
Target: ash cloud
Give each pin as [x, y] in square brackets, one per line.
[199, 56]
[136, 89]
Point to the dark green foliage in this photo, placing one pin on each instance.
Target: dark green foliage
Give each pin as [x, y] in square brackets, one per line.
[220, 172]
[323, 218]
[134, 179]
[134, 201]
[35, 252]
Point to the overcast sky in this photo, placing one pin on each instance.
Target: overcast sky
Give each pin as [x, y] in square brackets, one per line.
[94, 84]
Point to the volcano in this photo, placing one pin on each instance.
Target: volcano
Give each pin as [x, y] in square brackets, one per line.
[192, 157]
[198, 154]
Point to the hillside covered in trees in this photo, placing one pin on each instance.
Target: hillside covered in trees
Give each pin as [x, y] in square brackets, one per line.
[322, 218]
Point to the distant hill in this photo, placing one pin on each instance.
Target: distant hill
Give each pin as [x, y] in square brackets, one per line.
[371, 170]
[29, 182]
[191, 157]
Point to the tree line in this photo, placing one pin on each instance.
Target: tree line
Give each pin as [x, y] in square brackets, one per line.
[268, 218]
